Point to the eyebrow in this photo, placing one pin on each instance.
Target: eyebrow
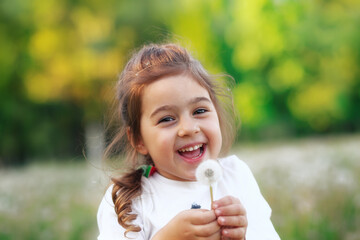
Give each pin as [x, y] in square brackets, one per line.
[168, 107]
[199, 99]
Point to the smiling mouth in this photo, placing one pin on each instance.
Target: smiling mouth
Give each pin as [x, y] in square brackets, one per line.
[192, 152]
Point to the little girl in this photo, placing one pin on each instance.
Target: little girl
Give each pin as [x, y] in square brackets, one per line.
[171, 119]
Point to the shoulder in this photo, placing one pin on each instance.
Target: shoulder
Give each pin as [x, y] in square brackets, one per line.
[106, 216]
[237, 173]
[239, 178]
[107, 219]
[106, 213]
[107, 201]
[234, 164]
[107, 204]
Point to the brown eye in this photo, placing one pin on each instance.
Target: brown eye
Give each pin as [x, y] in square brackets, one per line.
[166, 119]
[200, 111]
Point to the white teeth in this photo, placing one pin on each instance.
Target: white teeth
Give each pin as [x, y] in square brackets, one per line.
[189, 149]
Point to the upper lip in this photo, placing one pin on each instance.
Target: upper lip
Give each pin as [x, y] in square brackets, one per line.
[190, 147]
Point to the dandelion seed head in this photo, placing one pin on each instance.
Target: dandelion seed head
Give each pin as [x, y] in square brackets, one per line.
[208, 172]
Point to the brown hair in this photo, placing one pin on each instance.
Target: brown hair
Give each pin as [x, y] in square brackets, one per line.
[150, 63]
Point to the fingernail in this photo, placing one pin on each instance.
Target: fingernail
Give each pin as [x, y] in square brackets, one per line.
[217, 212]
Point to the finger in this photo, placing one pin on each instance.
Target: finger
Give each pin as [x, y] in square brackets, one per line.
[201, 216]
[230, 210]
[207, 230]
[225, 201]
[233, 221]
[215, 236]
[234, 233]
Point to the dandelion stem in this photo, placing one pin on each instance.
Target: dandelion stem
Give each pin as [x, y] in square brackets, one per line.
[211, 195]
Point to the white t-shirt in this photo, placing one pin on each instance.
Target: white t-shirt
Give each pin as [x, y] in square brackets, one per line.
[162, 199]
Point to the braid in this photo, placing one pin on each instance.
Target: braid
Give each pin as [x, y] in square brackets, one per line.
[124, 191]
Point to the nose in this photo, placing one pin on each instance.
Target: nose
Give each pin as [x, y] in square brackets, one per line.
[187, 127]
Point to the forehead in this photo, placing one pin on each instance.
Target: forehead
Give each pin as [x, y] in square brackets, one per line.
[172, 90]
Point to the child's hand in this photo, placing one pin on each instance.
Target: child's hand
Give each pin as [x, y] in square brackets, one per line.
[231, 216]
[191, 224]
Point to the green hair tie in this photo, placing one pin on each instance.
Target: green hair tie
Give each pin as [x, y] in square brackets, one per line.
[148, 170]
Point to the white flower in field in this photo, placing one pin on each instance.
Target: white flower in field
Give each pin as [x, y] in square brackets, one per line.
[208, 172]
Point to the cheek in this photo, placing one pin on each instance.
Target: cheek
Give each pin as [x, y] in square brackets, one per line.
[216, 135]
[159, 141]
[218, 140]
[214, 126]
[162, 143]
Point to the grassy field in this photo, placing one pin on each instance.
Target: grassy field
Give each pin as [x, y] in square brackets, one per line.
[312, 186]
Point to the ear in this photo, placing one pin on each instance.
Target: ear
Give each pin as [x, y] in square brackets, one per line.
[139, 146]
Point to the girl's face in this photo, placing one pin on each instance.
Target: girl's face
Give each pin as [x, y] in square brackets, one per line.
[179, 126]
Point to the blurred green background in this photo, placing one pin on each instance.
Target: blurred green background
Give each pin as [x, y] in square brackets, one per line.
[296, 71]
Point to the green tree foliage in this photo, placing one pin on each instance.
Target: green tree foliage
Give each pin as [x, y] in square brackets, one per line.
[295, 63]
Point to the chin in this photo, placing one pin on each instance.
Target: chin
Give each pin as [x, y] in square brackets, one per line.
[191, 177]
